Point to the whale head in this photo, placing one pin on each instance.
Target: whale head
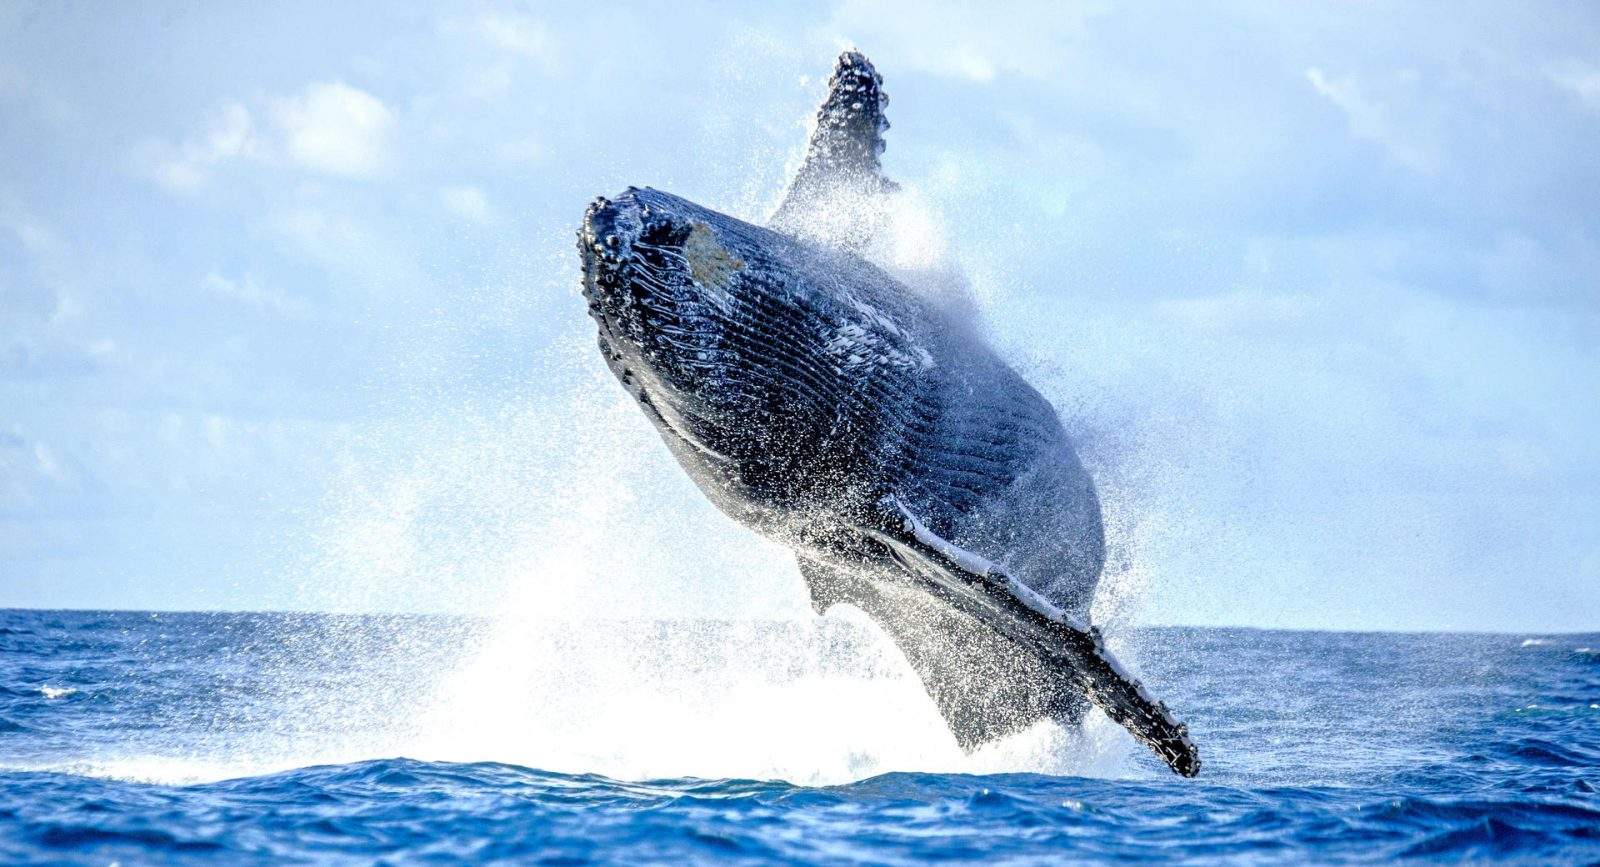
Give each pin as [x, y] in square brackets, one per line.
[690, 332]
[750, 351]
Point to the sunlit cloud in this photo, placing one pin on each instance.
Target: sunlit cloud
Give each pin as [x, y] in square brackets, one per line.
[504, 43]
[329, 128]
[521, 34]
[1372, 119]
[248, 292]
[229, 135]
[969, 42]
[1352, 237]
[1578, 78]
[335, 128]
[467, 202]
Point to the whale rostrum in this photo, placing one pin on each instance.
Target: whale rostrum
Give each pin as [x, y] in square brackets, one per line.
[821, 402]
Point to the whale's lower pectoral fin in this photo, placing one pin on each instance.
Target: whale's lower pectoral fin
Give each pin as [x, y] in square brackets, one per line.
[972, 584]
[985, 685]
[829, 586]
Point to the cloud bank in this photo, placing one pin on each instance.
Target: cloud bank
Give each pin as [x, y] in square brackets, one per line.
[1316, 285]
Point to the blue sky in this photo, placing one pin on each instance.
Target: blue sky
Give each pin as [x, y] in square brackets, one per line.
[289, 319]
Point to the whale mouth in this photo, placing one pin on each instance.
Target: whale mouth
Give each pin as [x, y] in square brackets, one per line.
[636, 277]
[605, 243]
[637, 284]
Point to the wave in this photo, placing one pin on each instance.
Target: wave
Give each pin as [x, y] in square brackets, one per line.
[403, 809]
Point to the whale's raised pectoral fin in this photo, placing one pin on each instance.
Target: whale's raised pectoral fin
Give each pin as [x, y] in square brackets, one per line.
[983, 590]
[836, 195]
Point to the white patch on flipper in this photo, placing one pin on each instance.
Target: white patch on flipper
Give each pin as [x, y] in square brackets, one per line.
[978, 565]
[983, 567]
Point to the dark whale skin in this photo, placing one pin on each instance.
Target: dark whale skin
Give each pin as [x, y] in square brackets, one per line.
[819, 401]
[819, 385]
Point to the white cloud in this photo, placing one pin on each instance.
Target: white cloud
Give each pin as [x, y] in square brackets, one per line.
[467, 202]
[514, 40]
[968, 41]
[230, 134]
[246, 291]
[1120, 168]
[527, 149]
[332, 239]
[335, 128]
[68, 307]
[972, 64]
[490, 82]
[519, 34]
[362, 256]
[1372, 119]
[330, 127]
[33, 234]
[1581, 79]
[49, 467]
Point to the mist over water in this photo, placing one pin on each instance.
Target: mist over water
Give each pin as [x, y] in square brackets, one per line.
[291, 322]
[140, 736]
[613, 624]
[620, 625]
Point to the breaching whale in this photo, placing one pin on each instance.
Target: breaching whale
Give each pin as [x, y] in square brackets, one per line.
[819, 401]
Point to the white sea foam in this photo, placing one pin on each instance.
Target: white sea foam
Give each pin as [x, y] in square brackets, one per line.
[812, 703]
[544, 516]
[169, 770]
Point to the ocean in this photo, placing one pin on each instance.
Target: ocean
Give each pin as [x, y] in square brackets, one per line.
[143, 738]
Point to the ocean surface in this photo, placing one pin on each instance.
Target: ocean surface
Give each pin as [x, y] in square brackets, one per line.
[260, 738]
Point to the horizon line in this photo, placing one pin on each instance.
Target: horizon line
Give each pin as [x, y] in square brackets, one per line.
[288, 612]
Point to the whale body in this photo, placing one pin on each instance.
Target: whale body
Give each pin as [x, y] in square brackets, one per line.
[819, 401]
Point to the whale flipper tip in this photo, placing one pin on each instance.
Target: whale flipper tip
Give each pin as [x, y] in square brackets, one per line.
[842, 170]
[1072, 651]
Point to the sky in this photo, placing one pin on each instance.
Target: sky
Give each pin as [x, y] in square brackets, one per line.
[289, 314]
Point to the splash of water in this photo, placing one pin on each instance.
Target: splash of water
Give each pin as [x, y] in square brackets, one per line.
[626, 628]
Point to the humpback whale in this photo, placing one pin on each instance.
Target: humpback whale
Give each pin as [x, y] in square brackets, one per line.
[821, 402]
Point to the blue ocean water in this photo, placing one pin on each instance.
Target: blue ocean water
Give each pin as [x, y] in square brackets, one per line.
[254, 738]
